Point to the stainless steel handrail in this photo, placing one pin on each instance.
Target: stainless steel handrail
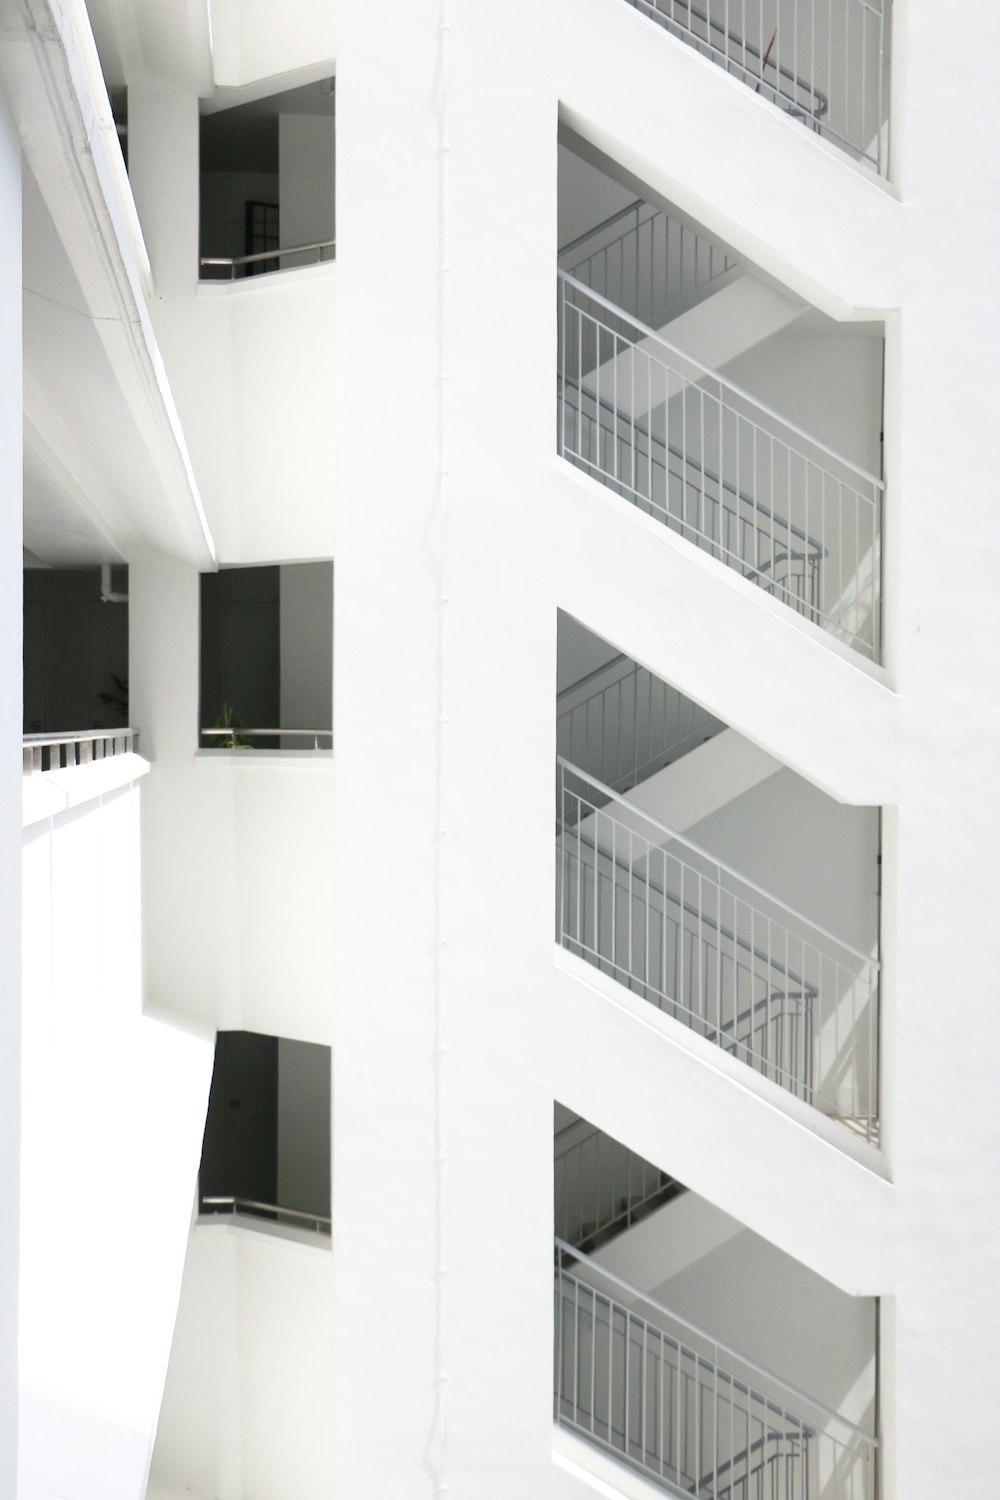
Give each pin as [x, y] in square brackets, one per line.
[77, 739]
[819, 549]
[69, 751]
[805, 995]
[730, 386]
[236, 1203]
[235, 731]
[673, 835]
[232, 261]
[589, 677]
[608, 223]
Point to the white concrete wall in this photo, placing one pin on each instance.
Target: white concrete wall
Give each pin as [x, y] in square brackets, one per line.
[113, 1114]
[252, 41]
[11, 419]
[501, 541]
[237, 880]
[250, 364]
[246, 1411]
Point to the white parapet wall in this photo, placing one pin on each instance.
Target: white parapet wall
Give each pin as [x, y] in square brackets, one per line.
[113, 1111]
[246, 1410]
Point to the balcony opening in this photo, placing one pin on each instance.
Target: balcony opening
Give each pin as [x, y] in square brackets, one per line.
[75, 683]
[267, 658]
[268, 184]
[693, 1351]
[716, 884]
[696, 388]
[266, 1153]
[824, 63]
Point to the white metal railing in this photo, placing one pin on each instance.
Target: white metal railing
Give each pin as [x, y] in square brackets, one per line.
[622, 724]
[645, 261]
[58, 752]
[722, 469]
[236, 736]
[824, 62]
[601, 1187]
[692, 936]
[296, 1218]
[315, 249]
[685, 1409]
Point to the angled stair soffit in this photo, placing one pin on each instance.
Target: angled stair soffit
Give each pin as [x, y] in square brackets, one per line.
[719, 641]
[748, 1156]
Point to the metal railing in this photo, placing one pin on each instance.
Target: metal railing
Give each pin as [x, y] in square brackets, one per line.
[294, 1218]
[824, 62]
[725, 471]
[692, 936]
[236, 734]
[685, 1409]
[622, 724]
[601, 1187]
[270, 260]
[58, 752]
[645, 262]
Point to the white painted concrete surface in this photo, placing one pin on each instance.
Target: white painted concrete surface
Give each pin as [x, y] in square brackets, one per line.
[474, 545]
[247, 1402]
[113, 1112]
[10, 784]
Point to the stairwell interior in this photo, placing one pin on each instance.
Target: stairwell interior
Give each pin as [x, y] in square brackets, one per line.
[701, 882]
[671, 1323]
[699, 390]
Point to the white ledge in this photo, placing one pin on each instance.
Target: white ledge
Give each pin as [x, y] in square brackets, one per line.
[248, 1224]
[46, 794]
[249, 757]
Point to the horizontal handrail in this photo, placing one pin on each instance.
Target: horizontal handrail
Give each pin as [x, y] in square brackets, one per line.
[673, 835]
[589, 677]
[730, 386]
[43, 753]
[236, 1203]
[564, 1248]
[608, 223]
[236, 730]
[78, 739]
[232, 261]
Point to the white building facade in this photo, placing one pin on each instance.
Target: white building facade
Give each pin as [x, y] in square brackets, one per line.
[612, 358]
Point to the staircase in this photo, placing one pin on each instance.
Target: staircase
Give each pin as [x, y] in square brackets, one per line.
[648, 309]
[602, 1188]
[652, 315]
[685, 1411]
[663, 1396]
[824, 63]
[641, 902]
